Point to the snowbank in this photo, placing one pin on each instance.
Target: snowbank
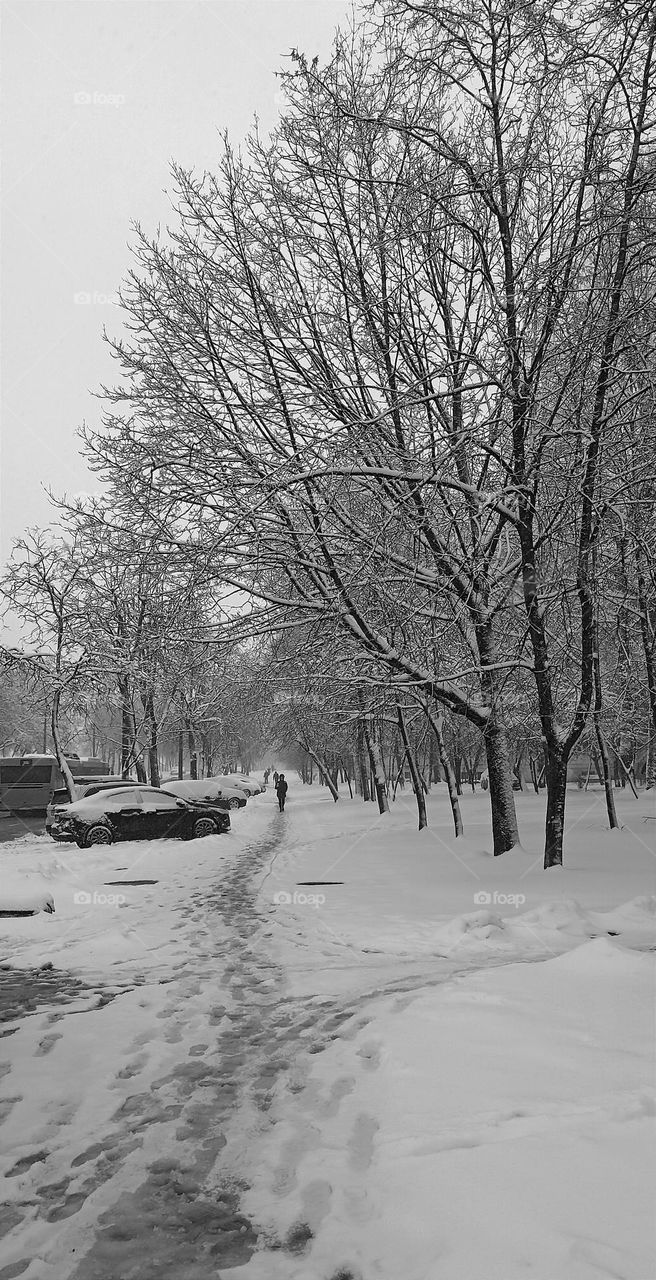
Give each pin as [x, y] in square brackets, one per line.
[499, 1126]
[116, 904]
[388, 890]
[25, 895]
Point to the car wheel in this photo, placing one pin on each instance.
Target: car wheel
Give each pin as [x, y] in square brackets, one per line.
[205, 827]
[234, 803]
[96, 835]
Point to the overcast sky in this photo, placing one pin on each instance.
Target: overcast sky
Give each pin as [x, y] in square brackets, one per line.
[97, 99]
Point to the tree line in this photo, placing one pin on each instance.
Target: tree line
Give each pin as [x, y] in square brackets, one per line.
[385, 402]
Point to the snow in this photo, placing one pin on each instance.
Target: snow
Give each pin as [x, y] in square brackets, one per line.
[495, 1127]
[101, 923]
[427, 893]
[441, 1068]
[25, 893]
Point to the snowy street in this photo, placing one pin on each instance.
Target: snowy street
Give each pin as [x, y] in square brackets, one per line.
[259, 1075]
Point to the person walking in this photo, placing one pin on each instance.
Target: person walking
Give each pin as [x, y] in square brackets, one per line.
[275, 777]
[281, 791]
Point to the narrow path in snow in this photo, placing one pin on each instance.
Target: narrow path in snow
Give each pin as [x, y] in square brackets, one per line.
[136, 1201]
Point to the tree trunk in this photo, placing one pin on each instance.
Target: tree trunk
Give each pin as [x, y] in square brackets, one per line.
[323, 768]
[426, 765]
[436, 721]
[647, 632]
[377, 767]
[505, 832]
[587, 776]
[433, 761]
[457, 773]
[626, 773]
[532, 764]
[596, 720]
[397, 778]
[59, 751]
[390, 760]
[517, 768]
[650, 763]
[417, 784]
[193, 760]
[153, 761]
[347, 778]
[362, 765]
[556, 796]
[605, 769]
[126, 729]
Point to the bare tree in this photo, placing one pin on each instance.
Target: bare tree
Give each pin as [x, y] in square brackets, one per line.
[43, 587]
[374, 371]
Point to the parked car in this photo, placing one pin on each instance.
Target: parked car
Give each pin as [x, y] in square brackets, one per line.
[250, 785]
[216, 790]
[136, 813]
[80, 790]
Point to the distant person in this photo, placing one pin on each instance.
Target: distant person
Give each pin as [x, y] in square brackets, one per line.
[275, 777]
[281, 791]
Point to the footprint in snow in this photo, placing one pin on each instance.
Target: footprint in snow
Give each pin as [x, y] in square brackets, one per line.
[340, 1089]
[15, 1269]
[284, 1178]
[7, 1105]
[361, 1142]
[130, 1069]
[26, 1162]
[96, 1149]
[370, 1055]
[316, 1202]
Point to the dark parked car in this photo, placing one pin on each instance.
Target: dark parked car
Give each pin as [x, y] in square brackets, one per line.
[136, 813]
[82, 789]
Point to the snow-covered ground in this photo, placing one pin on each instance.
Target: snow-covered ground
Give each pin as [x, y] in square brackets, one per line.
[440, 1068]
